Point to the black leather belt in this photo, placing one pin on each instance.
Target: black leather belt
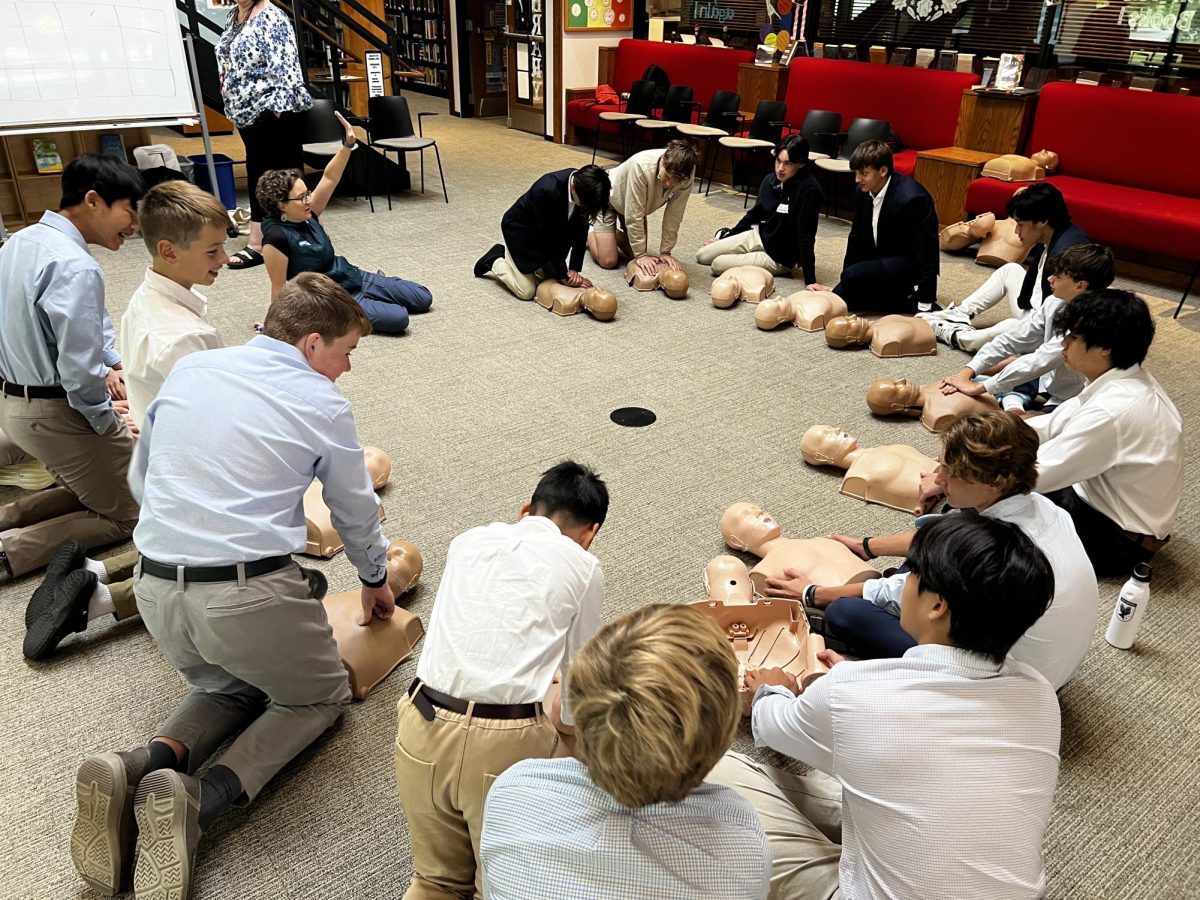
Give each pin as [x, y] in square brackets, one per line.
[215, 573]
[34, 391]
[423, 692]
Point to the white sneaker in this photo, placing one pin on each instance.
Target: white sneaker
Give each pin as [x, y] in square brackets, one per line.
[950, 314]
[947, 331]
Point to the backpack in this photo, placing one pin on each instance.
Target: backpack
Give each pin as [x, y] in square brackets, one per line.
[656, 73]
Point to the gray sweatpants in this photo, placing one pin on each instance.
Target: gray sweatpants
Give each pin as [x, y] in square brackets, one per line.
[259, 655]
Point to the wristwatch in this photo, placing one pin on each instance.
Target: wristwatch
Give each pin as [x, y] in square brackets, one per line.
[349, 146]
[810, 594]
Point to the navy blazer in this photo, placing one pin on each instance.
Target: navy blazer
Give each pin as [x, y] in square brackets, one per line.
[537, 231]
[1070, 236]
[908, 227]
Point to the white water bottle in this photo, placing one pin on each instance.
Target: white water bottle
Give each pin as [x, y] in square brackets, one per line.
[1131, 607]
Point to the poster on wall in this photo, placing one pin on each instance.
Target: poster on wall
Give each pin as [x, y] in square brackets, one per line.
[598, 15]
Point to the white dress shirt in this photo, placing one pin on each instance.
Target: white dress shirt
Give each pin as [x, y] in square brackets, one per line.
[1039, 355]
[515, 604]
[947, 763]
[229, 447]
[1120, 443]
[54, 329]
[549, 833]
[876, 206]
[1056, 643]
[163, 323]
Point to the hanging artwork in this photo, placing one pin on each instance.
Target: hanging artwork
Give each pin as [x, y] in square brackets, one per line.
[598, 15]
[926, 10]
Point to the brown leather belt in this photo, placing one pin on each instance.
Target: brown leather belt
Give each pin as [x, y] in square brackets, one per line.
[1147, 541]
[419, 691]
[34, 391]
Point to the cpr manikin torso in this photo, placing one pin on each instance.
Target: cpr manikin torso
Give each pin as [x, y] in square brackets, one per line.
[896, 397]
[322, 538]
[749, 283]
[563, 300]
[889, 338]
[674, 282]
[19, 469]
[1002, 246]
[961, 235]
[889, 475]
[765, 633]
[809, 310]
[370, 652]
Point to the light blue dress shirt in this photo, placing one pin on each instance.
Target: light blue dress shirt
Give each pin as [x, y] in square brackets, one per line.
[549, 833]
[56, 330]
[229, 447]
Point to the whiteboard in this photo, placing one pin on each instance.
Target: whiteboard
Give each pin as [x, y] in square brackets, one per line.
[73, 61]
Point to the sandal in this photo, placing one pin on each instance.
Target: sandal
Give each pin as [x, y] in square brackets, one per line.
[247, 258]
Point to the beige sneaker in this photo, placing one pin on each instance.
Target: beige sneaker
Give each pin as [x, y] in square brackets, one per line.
[167, 810]
[102, 840]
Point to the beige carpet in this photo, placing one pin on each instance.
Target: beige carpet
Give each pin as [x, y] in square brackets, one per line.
[483, 394]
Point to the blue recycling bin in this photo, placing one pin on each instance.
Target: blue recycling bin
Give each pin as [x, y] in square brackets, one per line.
[226, 190]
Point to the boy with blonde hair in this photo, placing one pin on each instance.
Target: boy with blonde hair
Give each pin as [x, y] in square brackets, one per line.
[655, 700]
[184, 230]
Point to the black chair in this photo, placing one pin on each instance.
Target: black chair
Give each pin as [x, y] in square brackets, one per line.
[764, 135]
[861, 131]
[640, 105]
[677, 108]
[321, 134]
[722, 118]
[822, 130]
[392, 131]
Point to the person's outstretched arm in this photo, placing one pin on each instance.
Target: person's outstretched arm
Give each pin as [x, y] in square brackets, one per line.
[323, 192]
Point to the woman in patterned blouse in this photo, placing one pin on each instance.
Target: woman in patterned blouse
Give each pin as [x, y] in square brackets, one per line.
[262, 85]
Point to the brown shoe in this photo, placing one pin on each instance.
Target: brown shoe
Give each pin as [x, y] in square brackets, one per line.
[167, 810]
[102, 840]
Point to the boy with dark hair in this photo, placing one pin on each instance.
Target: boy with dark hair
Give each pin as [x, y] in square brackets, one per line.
[1113, 456]
[537, 237]
[58, 368]
[892, 256]
[515, 605]
[955, 743]
[219, 591]
[780, 231]
[656, 705]
[1026, 362]
[1041, 217]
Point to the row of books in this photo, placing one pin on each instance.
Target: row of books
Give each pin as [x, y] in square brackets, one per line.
[408, 26]
[395, 7]
[49, 161]
[419, 51]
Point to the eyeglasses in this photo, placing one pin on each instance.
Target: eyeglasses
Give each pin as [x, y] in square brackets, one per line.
[304, 198]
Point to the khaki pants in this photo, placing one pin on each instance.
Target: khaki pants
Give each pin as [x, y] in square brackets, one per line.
[744, 249]
[520, 285]
[119, 570]
[802, 818]
[443, 771]
[259, 655]
[92, 504]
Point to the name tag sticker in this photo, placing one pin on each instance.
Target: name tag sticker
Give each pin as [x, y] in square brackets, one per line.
[781, 208]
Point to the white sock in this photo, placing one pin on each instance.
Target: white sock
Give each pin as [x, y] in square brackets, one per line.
[1012, 401]
[101, 603]
[94, 565]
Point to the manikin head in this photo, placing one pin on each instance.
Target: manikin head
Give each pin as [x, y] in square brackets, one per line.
[674, 283]
[824, 445]
[574, 498]
[847, 331]
[871, 163]
[888, 396]
[319, 318]
[987, 456]
[404, 566]
[746, 526]
[100, 195]
[184, 228]
[727, 580]
[1047, 159]
[725, 291]
[774, 311]
[379, 466]
[600, 303]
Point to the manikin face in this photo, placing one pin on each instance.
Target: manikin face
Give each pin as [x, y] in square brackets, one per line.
[404, 566]
[826, 445]
[200, 261]
[331, 359]
[888, 395]
[298, 205]
[784, 167]
[379, 466]
[871, 179]
[746, 525]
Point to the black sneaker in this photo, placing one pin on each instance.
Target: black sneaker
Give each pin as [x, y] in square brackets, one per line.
[485, 263]
[166, 808]
[65, 613]
[67, 558]
[102, 840]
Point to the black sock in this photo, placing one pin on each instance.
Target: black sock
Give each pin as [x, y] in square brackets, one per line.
[162, 756]
[218, 790]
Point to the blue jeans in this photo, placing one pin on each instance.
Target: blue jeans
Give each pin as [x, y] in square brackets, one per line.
[387, 301]
[867, 630]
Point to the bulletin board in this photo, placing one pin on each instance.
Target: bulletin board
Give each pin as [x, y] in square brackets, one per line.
[598, 15]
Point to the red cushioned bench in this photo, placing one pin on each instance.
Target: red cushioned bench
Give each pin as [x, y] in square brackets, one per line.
[1122, 167]
[921, 104]
[704, 69]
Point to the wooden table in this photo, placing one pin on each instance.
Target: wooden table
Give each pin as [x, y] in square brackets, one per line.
[995, 121]
[947, 173]
[756, 83]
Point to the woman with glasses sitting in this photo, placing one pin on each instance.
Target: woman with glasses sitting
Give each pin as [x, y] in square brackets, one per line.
[294, 241]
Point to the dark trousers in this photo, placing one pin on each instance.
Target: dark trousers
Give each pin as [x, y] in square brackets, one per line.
[865, 629]
[1111, 551]
[879, 285]
[271, 143]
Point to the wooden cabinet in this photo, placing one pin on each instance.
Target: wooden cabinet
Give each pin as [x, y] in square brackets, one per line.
[26, 193]
[995, 121]
[756, 83]
[947, 173]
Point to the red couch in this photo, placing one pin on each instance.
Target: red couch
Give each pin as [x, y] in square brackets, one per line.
[921, 104]
[704, 69]
[1126, 184]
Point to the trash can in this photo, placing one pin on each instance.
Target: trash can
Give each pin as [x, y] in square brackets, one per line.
[226, 191]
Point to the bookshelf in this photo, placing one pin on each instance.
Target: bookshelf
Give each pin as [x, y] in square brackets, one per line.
[489, 57]
[424, 42]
